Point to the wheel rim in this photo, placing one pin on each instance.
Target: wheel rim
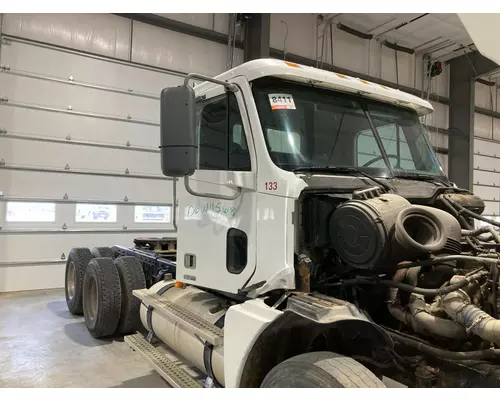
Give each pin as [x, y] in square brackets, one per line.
[71, 280]
[91, 300]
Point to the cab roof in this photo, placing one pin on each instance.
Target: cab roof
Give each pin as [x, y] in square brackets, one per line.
[330, 80]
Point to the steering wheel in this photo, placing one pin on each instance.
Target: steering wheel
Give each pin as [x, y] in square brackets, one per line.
[378, 158]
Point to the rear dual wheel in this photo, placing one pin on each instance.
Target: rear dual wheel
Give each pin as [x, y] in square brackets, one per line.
[108, 303]
[102, 252]
[77, 262]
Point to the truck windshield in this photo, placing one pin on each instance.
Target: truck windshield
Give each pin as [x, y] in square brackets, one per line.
[305, 126]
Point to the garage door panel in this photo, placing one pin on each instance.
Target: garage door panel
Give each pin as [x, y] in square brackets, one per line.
[31, 277]
[28, 184]
[482, 126]
[80, 158]
[487, 193]
[81, 99]
[49, 124]
[50, 247]
[486, 163]
[63, 65]
[486, 147]
[69, 222]
[491, 208]
[486, 178]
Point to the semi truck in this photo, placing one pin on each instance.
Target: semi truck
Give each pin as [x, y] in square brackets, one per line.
[319, 243]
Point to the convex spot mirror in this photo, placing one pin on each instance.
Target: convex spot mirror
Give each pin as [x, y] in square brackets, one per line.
[178, 131]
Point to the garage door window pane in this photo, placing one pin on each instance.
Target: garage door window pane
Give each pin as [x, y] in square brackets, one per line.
[95, 213]
[30, 212]
[161, 214]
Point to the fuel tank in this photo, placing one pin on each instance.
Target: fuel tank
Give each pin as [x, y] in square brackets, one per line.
[207, 306]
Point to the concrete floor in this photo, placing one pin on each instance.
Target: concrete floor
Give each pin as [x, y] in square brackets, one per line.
[43, 345]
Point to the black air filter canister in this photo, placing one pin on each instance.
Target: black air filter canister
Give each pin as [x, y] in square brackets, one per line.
[360, 230]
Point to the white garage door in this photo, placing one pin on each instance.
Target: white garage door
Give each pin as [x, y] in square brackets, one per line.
[486, 175]
[79, 158]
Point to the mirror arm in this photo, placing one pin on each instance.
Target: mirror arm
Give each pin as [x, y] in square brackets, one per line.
[230, 87]
[213, 195]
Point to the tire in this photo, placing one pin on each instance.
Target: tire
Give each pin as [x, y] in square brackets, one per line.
[101, 297]
[131, 278]
[321, 369]
[77, 262]
[102, 252]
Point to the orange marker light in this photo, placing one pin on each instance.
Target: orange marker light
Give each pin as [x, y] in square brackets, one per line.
[341, 76]
[179, 285]
[291, 64]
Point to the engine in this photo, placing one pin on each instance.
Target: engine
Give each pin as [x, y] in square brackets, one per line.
[419, 269]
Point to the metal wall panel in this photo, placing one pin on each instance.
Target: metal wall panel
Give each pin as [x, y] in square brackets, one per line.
[439, 118]
[483, 126]
[104, 34]
[215, 22]
[173, 50]
[296, 34]
[487, 149]
[350, 52]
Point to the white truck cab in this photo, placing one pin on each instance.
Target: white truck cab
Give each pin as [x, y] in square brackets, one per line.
[256, 134]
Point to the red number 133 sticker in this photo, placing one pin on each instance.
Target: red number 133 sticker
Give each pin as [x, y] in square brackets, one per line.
[271, 185]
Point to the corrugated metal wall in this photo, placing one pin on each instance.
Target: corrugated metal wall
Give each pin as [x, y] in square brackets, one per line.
[80, 125]
[486, 174]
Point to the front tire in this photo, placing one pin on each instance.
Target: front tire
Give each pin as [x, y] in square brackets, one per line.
[321, 369]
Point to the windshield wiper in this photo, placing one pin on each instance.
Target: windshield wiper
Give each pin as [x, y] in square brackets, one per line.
[344, 170]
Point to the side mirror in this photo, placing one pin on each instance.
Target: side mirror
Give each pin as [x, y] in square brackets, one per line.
[178, 131]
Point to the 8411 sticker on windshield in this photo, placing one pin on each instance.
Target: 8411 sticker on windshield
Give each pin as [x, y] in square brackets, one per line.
[281, 102]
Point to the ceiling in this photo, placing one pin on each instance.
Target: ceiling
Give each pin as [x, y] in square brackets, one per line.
[439, 35]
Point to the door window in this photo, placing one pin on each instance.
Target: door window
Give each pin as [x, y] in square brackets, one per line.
[222, 141]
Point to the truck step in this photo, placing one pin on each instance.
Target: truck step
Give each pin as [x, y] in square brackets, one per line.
[174, 375]
[187, 320]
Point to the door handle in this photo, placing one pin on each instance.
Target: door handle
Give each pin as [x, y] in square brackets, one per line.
[211, 195]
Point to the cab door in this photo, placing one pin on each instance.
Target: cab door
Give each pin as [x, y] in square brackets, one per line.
[217, 209]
